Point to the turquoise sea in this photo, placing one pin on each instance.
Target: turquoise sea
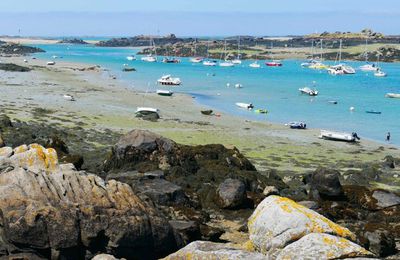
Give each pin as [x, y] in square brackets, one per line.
[274, 89]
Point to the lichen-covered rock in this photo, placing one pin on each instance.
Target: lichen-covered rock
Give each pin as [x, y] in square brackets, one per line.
[322, 246]
[33, 157]
[231, 194]
[63, 209]
[277, 221]
[200, 250]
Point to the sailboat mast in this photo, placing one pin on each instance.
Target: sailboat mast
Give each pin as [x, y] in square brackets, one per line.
[366, 51]
[321, 48]
[340, 51]
[238, 54]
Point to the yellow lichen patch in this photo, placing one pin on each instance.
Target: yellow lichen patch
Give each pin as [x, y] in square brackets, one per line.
[51, 159]
[20, 149]
[249, 246]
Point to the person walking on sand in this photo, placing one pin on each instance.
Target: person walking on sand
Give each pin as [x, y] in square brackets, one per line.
[388, 137]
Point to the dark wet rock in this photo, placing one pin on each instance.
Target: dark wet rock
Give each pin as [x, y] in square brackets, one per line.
[22, 256]
[141, 41]
[185, 232]
[73, 41]
[231, 194]
[211, 233]
[325, 184]
[385, 199]
[309, 204]
[162, 192]
[13, 67]
[380, 242]
[5, 122]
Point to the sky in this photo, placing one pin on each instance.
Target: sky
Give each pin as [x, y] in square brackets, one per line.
[195, 18]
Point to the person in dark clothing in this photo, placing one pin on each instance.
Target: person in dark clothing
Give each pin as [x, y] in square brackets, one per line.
[388, 137]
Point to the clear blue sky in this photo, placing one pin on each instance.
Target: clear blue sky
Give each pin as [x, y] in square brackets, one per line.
[196, 17]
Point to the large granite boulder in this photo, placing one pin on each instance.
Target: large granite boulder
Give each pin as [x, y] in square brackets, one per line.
[64, 213]
[322, 246]
[278, 221]
[209, 250]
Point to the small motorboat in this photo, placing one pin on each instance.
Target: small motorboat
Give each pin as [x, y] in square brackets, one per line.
[261, 111]
[163, 92]
[196, 59]
[339, 136]
[341, 69]
[149, 58]
[308, 91]
[248, 106]
[210, 63]
[373, 112]
[297, 125]
[226, 64]
[334, 102]
[128, 69]
[168, 80]
[171, 60]
[318, 66]
[274, 63]
[255, 65]
[131, 58]
[379, 73]
[392, 95]
[54, 56]
[238, 85]
[206, 112]
[69, 97]
[51, 63]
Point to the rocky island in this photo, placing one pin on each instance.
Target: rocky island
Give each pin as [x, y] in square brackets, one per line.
[72, 41]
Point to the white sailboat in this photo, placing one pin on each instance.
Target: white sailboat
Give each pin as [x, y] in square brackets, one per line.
[226, 63]
[237, 60]
[208, 62]
[368, 66]
[379, 72]
[150, 57]
[255, 65]
[341, 68]
[195, 58]
[318, 65]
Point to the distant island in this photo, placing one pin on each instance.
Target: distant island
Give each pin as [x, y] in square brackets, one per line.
[73, 41]
[267, 47]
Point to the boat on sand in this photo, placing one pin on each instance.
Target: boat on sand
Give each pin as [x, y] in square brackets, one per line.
[297, 125]
[338, 136]
[163, 92]
[206, 112]
[245, 105]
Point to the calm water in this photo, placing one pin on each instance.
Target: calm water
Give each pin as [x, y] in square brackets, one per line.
[275, 89]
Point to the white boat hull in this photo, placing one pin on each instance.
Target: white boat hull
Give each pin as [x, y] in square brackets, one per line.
[392, 95]
[245, 105]
[337, 136]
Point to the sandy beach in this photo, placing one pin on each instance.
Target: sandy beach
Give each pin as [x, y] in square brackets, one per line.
[106, 103]
[33, 40]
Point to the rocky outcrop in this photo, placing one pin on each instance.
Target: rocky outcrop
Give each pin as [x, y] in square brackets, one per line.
[17, 49]
[142, 41]
[322, 246]
[72, 41]
[210, 250]
[278, 221]
[59, 212]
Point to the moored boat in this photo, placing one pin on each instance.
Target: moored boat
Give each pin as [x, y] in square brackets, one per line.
[50, 63]
[69, 97]
[206, 112]
[274, 63]
[245, 105]
[261, 111]
[373, 112]
[255, 65]
[163, 92]
[392, 95]
[226, 63]
[210, 63]
[171, 60]
[168, 80]
[380, 74]
[339, 136]
[196, 59]
[308, 91]
[149, 58]
[369, 67]
[131, 57]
